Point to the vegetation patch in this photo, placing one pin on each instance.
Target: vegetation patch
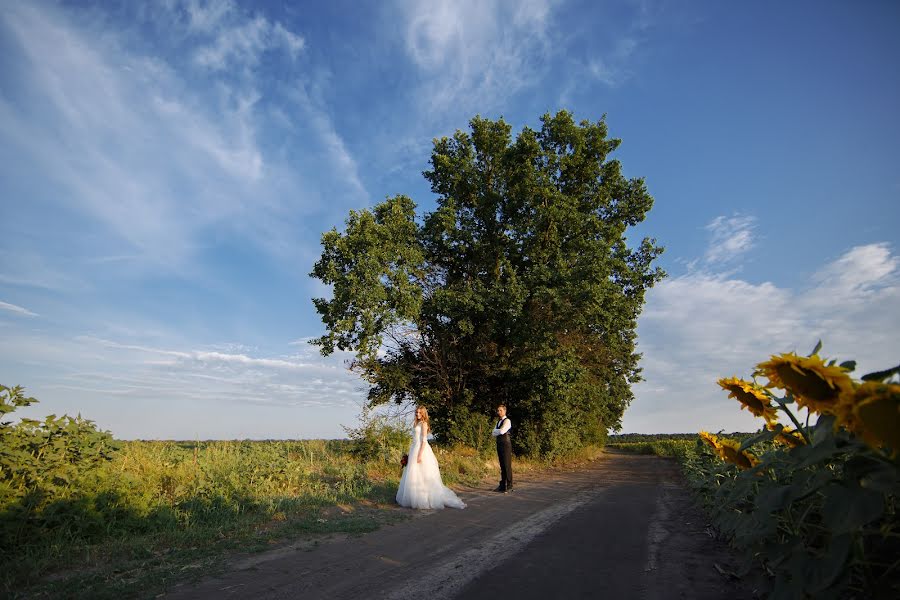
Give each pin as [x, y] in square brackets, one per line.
[86, 516]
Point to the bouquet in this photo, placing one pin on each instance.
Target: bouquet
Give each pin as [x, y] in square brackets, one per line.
[404, 459]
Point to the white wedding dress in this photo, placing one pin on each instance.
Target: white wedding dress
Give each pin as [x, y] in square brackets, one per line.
[420, 484]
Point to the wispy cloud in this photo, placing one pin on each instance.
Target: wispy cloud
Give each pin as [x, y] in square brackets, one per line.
[333, 144]
[476, 54]
[244, 43]
[229, 384]
[208, 16]
[859, 272]
[613, 65]
[730, 237]
[699, 327]
[613, 69]
[120, 139]
[17, 309]
[154, 154]
[30, 269]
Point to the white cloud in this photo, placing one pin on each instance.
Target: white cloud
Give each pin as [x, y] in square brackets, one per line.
[474, 53]
[116, 131]
[699, 327]
[28, 269]
[123, 385]
[244, 43]
[614, 68]
[206, 16]
[615, 65]
[17, 309]
[731, 237]
[857, 273]
[151, 155]
[333, 144]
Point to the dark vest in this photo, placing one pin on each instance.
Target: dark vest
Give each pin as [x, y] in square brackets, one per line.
[503, 437]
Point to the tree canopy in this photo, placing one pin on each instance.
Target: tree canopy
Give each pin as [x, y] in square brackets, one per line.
[520, 286]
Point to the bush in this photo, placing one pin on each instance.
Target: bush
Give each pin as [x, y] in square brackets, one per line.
[379, 436]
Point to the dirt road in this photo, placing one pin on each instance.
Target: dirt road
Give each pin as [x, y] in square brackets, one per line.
[623, 525]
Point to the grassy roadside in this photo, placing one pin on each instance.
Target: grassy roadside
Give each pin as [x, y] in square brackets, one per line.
[166, 512]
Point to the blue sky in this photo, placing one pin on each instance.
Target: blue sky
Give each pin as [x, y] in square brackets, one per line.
[168, 167]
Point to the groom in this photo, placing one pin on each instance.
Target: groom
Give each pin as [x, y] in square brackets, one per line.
[504, 450]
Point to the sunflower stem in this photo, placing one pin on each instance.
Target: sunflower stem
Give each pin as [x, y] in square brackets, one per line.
[800, 428]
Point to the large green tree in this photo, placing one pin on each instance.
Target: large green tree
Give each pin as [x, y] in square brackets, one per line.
[519, 287]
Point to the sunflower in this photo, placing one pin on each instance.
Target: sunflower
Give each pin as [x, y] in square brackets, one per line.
[789, 437]
[711, 440]
[876, 408]
[751, 396]
[730, 450]
[814, 384]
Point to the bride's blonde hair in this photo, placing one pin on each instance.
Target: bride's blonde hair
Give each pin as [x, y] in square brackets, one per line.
[424, 415]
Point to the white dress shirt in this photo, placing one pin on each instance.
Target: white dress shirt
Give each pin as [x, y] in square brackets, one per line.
[505, 425]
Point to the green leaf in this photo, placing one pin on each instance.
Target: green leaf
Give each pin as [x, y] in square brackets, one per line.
[810, 455]
[824, 572]
[763, 436]
[849, 365]
[817, 348]
[846, 509]
[823, 430]
[881, 375]
[884, 479]
[775, 498]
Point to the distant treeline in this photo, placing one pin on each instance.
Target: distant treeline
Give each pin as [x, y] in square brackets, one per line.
[627, 438]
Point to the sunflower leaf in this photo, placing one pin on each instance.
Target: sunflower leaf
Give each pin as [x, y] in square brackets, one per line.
[764, 436]
[848, 508]
[849, 365]
[775, 498]
[881, 375]
[884, 478]
[817, 348]
[817, 453]
[824, 572]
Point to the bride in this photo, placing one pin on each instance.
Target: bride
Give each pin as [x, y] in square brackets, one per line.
[421, 485]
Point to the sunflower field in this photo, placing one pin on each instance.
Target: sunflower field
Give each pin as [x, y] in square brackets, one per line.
[813, 503]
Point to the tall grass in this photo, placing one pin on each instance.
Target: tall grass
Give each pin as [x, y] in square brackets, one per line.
[154, 497]
[132, 524]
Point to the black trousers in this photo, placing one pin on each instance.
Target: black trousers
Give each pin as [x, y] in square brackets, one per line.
[504, 454]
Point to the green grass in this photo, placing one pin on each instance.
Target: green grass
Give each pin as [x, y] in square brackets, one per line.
[165, 512]
[135, 522]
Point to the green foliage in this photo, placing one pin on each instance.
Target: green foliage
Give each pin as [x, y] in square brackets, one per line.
[40, 461]
[519, 288]
[379, 436]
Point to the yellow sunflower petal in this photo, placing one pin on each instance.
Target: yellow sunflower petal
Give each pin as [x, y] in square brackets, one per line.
[751, 396]
[730, 451]
[790, 437]
[876, 408]
[814, 384]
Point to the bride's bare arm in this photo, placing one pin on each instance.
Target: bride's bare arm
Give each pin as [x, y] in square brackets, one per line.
[422, 441]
